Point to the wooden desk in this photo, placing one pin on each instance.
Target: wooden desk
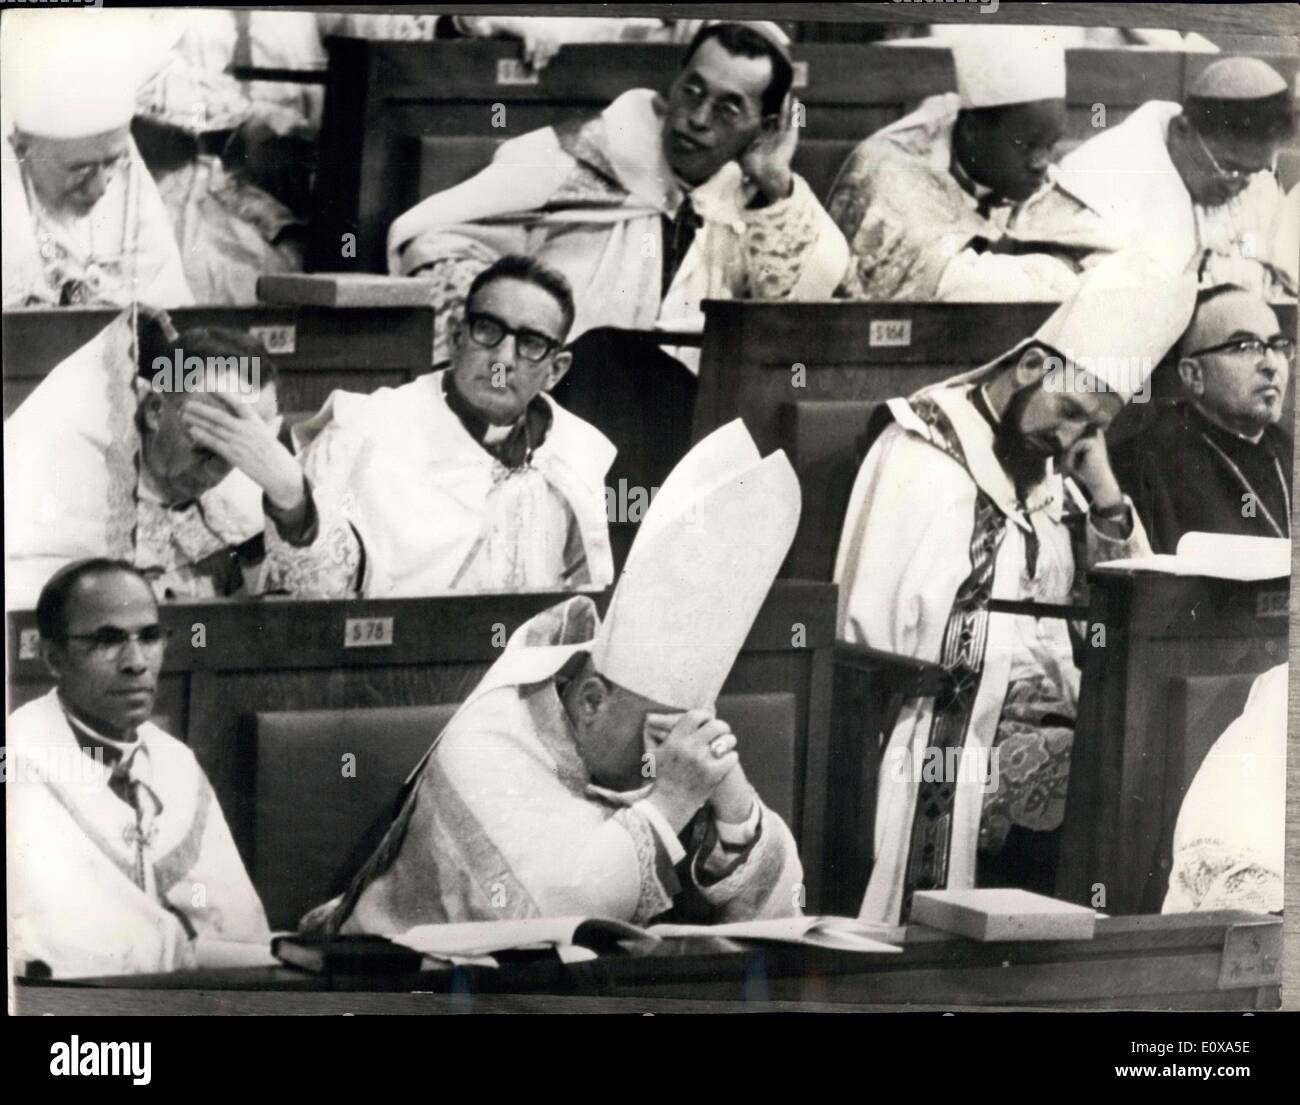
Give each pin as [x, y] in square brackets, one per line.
[316, 349]
[1192, 961]
[1137, 745]
[281, 654]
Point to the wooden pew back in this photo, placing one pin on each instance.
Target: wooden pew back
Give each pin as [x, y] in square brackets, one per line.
[315, 349]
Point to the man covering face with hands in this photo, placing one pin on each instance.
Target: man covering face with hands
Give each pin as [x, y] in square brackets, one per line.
[162, 453]
[588, 773]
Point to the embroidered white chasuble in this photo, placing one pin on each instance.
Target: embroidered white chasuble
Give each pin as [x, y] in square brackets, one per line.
[933, 530]
[502, 821]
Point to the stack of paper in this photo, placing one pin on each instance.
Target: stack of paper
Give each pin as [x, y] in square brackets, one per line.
[1219, 556]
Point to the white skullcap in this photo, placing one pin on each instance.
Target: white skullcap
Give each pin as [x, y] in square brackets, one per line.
[1124, 316]
[1008, 65]
[73, 73]
[1238, 78]
[702, 564]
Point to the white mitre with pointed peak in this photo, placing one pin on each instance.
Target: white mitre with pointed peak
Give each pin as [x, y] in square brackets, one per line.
[702, 564]
[1124, 316]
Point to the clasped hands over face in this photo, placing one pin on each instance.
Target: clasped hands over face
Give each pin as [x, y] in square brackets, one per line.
[234, 430]
[695, 762]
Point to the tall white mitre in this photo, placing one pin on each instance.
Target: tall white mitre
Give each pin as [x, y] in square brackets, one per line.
[1125, 315]
[702, 564]
[997, 66]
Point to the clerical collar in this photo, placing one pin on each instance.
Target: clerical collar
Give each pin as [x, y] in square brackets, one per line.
[969, 184]
[1222, 433]
[512, 445]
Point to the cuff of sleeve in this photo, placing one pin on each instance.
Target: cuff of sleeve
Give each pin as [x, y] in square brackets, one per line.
[777, 208]
[1114, 524]
[737, 835]
[663, 830]
[298, 527]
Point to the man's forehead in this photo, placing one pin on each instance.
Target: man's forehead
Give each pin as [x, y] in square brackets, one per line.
[728, 72]
[1230, 313]
[93, 147]
[110, 598]
[520, 303]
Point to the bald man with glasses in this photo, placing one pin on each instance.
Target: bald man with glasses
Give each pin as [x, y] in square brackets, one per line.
[1219, 461]
[470, 478]
[119, 858]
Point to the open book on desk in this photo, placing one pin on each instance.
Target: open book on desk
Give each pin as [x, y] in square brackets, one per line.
[845, 934]
[475, 939]
[1218, 556]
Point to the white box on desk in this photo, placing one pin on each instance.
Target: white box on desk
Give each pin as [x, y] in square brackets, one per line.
[1002, 914]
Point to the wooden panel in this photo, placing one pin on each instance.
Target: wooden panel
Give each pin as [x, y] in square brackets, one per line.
[1148, 962]
[359, 349]
[1120, 811]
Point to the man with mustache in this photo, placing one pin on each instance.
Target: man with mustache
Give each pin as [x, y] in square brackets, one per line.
[650, 207]
[1220, 460]
[119, 859]
[995, 484]
[1199, 180]
[958, 201]
[83, 221]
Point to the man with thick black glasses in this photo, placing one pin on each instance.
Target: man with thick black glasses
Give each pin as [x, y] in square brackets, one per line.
[1220, 461]
[470, 478]
[120, 861]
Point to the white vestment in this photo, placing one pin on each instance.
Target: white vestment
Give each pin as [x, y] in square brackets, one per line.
[1126, 175]
[95, 890]
[589, 200]
[435, 511]
[1229, 842]
[934, 529]
[123, 251]
[503, 821]
[73, 489]
[916, 232]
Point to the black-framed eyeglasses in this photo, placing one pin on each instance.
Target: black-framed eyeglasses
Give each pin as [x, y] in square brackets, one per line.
[1252, 347]
[489, 332]
[109, 642]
